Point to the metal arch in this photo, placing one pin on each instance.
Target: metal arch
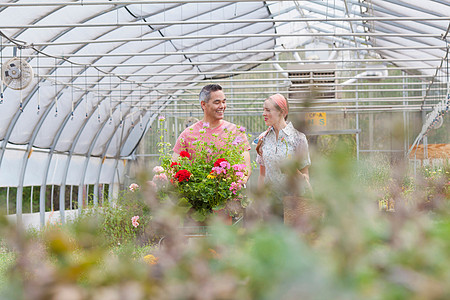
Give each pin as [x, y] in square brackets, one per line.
[392, 13]
[151, 120]
[104, 156]
[13, 122]
[31, 141]
[31, 94]
[110, 50]
[413, 7]
[97, 137]
[25, 161]
[155, 88]
[88, 156]
[59, 93]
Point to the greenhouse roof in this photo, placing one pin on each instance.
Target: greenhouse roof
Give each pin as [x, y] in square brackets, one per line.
[96, 74]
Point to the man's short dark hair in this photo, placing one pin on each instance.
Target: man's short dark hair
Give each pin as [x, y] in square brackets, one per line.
[206, 91]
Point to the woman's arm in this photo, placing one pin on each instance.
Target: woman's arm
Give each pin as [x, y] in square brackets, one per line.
[304, 173]
[262, 175]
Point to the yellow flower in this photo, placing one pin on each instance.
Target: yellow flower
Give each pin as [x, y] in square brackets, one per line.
[151, 259]
[210, 176]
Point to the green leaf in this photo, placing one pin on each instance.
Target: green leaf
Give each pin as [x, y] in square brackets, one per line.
[198, 216]
[184, 205]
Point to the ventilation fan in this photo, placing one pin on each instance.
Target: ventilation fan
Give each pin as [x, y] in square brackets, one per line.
[17, 73]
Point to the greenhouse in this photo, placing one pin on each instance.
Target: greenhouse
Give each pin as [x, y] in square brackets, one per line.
[96, 93]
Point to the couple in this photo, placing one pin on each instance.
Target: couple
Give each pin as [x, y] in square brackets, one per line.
[279, 142]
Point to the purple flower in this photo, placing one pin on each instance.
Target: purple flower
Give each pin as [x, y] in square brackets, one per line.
[242, 129]
[161, 118]
[237, 141]
[205, 125]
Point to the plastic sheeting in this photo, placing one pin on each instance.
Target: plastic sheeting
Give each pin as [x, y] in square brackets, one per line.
[103, 70]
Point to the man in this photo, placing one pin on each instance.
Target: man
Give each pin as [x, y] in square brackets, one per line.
[211, 126]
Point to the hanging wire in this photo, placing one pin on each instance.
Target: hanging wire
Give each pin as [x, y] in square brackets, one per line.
[20, 80]
[110, 104]
[56, 88]
[38, 86]
[71, 73]
[86, 91]
[110, 98]
[98, 95]
[24, 45]
[139, 106]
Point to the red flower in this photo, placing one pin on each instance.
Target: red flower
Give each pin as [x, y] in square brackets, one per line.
[173, 164]
[185, 154]
[183, 175]
[217, 163]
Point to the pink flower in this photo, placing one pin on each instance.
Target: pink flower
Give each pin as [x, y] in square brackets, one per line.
[219, 170]
[158, 169]
[135, 221]
[240, 174]
[239, 167]
[161, 118]
[133, 187]
[237, 141]
[224, 164]
[242, 129]
[205, 124]
[234, 187]
[159, 179]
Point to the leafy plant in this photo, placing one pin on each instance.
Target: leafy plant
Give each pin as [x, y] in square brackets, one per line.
[210, 180]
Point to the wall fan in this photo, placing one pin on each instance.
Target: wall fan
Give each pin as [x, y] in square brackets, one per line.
[17, 73]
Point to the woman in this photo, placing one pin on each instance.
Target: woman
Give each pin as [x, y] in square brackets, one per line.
[279, 142]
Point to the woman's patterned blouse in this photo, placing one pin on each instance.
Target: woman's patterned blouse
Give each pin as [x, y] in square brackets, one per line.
[290, 142]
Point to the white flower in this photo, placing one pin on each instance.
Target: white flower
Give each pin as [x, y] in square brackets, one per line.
[133, 187]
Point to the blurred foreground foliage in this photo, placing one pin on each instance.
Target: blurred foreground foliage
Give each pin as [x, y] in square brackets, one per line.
[350, 250]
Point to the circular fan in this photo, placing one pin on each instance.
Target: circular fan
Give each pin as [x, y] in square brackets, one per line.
[17, 73]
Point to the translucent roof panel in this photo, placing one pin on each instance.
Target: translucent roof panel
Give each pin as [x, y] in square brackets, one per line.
[102, 71]
[99, 67]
